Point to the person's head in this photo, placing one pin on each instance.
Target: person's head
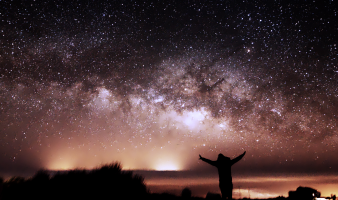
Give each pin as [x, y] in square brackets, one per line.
[223, 158]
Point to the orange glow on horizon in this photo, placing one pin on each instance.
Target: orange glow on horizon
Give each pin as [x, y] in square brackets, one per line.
[167, 166]
[61, 165]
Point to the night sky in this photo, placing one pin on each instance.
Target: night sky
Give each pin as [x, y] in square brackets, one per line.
[154, 84]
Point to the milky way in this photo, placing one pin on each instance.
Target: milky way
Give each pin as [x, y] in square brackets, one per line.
[152, 85]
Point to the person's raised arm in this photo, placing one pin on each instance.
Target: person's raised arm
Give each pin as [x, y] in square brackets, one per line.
[238, 158]
[213, 163]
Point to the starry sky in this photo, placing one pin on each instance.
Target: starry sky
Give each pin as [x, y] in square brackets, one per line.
[154, 84]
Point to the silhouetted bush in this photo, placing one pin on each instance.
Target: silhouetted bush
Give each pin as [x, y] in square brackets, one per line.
[213, 196]
[14, 188]
[42, 176]
[108, 181]
[186, 193]
[38, 186]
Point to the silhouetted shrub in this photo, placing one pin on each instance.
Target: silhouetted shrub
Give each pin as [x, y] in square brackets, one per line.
[213, 196]
[108, 181]
[42, 176]
[121, 184]
[14, 188]
[186, 193]
[38, 186]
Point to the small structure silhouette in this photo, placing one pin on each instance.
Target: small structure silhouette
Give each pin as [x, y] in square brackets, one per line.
[304, 193]
[223, 165]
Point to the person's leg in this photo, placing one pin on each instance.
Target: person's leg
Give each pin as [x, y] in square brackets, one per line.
[230, 191]
[226, 190]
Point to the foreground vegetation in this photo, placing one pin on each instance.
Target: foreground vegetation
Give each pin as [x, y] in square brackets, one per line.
[108, 181]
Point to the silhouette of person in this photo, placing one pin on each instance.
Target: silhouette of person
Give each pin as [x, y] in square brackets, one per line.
[223, 165]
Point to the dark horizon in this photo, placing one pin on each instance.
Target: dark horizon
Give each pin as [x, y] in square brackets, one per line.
[261, 185]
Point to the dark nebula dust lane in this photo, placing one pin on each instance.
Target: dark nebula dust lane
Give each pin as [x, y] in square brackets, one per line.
[154, 84]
